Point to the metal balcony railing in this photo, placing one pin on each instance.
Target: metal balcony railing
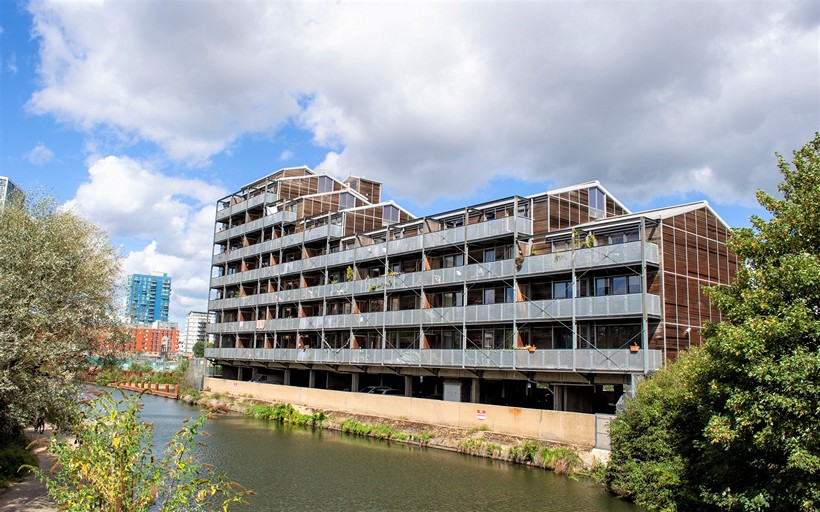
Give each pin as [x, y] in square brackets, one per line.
[593, 360]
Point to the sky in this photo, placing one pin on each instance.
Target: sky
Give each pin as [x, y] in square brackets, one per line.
[142, 114]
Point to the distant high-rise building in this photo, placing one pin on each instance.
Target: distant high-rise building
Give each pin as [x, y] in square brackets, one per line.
[9, 191]
[148, 298]
[195, 325]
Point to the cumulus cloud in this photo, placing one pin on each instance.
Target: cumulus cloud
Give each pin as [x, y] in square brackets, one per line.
[175, 217]
[40, 155]
[649, 98]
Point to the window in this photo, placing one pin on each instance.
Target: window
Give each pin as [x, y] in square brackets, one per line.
[390, 213]
[453, 260]
[489, 255]
[452, 299]
[489, 296]
[617, 336]
[325, 184]
[617, 285]
[346, 200]
[562, 290]
[597, 203]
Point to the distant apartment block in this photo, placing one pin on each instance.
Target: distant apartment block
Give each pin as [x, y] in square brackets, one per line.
[154, 339]
[195, 330]
[9, 191]
[149, 297]
[559, 300]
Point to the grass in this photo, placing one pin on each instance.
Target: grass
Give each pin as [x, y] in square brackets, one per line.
[480, 428]
[382, 431]
[285, 413]
[480, 448]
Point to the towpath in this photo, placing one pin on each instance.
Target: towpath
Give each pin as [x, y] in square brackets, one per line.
[29, 494]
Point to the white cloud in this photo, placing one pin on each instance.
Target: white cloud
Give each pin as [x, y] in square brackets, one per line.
[40, 155]
[640, 96]
[11, 65]
[175, 216]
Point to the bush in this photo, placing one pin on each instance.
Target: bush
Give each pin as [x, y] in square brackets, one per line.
[114, 466]
[286, 414]
[12, 457]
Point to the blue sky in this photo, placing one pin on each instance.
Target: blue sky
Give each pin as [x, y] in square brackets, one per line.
[142, 114]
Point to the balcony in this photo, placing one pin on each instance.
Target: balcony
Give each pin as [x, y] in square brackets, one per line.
[326, 231]
[593, 257]
[587, 360]
[255, 200]
[499, 227]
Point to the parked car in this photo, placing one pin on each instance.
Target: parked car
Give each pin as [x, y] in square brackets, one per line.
[389, 391]
[374, 389]
[268, 379]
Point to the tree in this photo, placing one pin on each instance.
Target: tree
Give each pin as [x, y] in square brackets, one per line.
[114, 466]
[745, 408]
[58, 276]
[198, 349]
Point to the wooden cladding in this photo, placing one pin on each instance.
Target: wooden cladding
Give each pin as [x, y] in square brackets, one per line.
[695, 255]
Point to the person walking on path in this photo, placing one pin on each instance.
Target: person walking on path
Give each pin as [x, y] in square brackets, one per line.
[40, 425]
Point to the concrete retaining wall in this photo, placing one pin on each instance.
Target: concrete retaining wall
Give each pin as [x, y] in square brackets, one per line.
[561, 427]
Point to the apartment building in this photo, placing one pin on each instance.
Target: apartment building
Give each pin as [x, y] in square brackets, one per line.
[9, 192]
[559, 300]
[196, 323]
[155, 339]
[149, 297]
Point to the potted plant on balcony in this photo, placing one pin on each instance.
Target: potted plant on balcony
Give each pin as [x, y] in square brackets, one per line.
[634, 348]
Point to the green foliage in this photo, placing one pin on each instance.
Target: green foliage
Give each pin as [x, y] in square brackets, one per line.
[58, 276]
[285, 413]
[646, 463]
[524, 452]
[13, 455]
[736, 426]
[198, 350]
[140, 366]
[476, 446]
[480, 428]
[106, 377]
[382, 431]
[114, 467]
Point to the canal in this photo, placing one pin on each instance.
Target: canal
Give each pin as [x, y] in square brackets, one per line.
[299, 469]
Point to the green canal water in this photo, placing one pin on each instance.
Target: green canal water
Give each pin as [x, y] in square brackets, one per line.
[299, 469]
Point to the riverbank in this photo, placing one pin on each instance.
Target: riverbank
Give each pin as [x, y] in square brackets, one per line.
[477, 441]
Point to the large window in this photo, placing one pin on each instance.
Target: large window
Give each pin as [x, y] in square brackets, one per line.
[617, 336]
[346, 200]
[597, 203]
[617, 285]
[390, 213]
[325, 184]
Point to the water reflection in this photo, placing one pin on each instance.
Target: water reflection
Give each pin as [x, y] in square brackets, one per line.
[298, 469]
